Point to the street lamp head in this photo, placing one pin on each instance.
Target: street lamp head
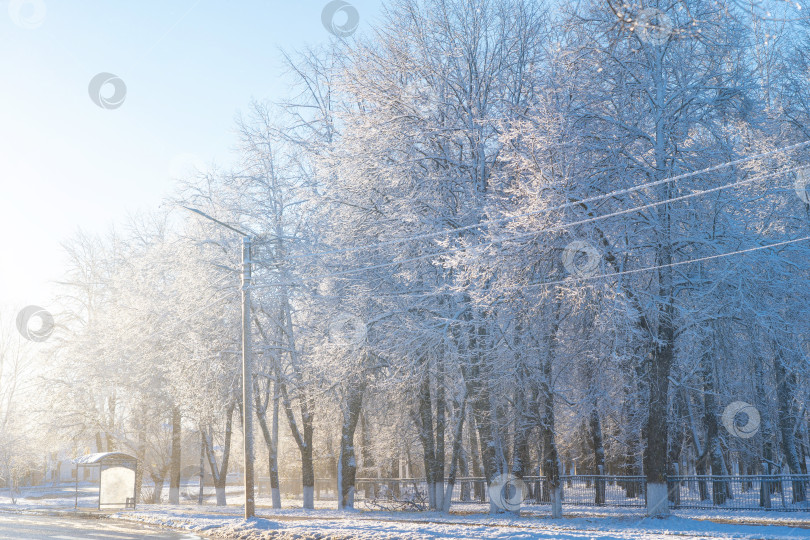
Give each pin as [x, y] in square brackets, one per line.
[218, 222]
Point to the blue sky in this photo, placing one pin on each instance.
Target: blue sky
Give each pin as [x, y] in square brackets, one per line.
[190, 66]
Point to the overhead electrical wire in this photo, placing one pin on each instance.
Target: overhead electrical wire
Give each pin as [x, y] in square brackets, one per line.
[520, 236]
[662, 266]
[595, 198]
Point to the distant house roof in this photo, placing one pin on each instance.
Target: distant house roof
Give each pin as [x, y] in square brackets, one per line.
[104, 457]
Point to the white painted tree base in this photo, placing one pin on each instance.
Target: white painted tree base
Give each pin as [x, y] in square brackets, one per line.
[174, 495]
[448, 492]
[350, 499]
[657, 501]
[556, 502]
[309, 497]
[276, 494]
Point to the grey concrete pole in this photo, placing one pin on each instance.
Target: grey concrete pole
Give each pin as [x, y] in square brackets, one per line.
[247, 380]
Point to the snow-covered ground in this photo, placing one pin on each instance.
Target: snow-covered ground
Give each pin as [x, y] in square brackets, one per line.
[577, 525]
[466, 521]
[61, 496]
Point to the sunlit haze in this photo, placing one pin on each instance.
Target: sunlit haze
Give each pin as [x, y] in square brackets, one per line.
[190, 66]
[416, 269]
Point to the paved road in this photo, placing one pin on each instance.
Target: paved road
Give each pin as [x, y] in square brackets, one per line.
[24, 527]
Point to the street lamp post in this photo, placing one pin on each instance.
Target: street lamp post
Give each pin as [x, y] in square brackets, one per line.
[247, 380]
[247, 366]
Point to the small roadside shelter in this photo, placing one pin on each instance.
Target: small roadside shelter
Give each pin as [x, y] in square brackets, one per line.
[116, 478]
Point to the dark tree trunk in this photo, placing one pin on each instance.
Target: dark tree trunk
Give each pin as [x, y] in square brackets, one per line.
[111, 404]
[303, 438]
[766, 488]
[712, 453]
[270, 435]
[158, 477]
[219, 473]
[441, 427]
[521, 455]
[174, 481]
[475, 456]
[478, 390]
[551, 460]
[202, 467]
[424, 424]
[785, 390]
[663, 350]
[140, 453]
[464, 469]
[630, 414]
[347, 465]
[598, 455]
[657, 427]
[676, 448]
[456, 454]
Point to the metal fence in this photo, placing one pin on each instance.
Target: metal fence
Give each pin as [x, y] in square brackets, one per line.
[777, 493]
[786, 493]
[580, 490]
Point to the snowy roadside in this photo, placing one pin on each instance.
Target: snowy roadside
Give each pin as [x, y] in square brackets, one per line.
[55, 501]
[467, 521]
[330, 524]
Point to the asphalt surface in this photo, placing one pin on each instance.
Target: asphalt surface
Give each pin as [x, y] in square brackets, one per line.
[24, 527]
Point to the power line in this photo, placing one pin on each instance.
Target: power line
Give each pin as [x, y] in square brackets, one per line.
[595, 198]
[670, 265]
[541, 231]
[573, 279]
